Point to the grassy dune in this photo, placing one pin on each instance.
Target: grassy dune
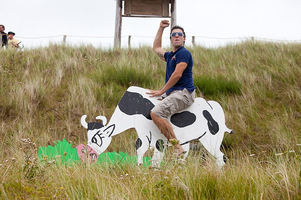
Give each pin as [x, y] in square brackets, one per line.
[45, 91]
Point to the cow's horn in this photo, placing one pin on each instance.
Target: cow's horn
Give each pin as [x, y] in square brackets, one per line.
[103, 119]
[83, 121]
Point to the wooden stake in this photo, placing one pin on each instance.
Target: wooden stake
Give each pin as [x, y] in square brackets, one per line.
[118, 22]
[173, 13]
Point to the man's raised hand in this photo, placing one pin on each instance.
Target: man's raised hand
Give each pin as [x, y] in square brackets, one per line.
[164, 23]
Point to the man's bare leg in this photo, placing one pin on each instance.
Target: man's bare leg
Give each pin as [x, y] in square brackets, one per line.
[165, 127]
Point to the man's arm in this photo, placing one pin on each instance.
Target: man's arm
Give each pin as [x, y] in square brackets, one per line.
[175, 77]
[15, 44]
[157, 45]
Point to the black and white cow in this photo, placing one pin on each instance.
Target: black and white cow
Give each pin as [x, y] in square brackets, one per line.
[204, 121]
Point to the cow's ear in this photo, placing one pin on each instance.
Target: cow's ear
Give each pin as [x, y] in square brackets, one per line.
[109, 130]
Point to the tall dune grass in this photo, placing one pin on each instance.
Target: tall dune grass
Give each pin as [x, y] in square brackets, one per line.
[45, 91]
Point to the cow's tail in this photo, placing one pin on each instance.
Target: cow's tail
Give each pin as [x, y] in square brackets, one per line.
[230, 131]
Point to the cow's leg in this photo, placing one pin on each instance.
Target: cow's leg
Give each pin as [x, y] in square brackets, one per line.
[157, 158]
[142, 145]
[158, 153]
[186, 150]
[181, 159]
[214, 149]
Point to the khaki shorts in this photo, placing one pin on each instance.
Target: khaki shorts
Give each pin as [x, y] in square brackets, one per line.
[175, 102]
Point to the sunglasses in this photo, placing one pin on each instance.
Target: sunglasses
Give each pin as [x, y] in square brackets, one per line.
[175, 33]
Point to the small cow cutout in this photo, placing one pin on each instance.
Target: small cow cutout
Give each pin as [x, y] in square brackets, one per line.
[203, 121]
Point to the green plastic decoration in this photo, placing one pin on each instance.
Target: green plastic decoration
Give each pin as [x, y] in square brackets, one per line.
[63, 153]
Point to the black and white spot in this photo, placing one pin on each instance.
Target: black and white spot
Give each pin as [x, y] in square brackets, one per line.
[138, 143]
[133, 103]
[183, 119]
[160, 145]
[212, 124]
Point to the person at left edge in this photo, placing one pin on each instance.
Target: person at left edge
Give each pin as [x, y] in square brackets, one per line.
[3, 34]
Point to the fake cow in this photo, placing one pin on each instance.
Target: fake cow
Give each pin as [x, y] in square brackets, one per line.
[203, 121]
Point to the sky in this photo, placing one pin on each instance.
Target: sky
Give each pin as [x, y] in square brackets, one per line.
[213, 22]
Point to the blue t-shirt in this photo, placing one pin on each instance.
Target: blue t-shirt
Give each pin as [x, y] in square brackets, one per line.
[172, 59]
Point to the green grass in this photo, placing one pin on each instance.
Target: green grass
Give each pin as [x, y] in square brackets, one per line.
[45, 91]
[214, 86]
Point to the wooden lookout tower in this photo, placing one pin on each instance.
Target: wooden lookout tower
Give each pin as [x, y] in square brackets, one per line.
[142, 8]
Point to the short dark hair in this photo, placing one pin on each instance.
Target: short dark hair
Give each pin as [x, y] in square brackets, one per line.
[2, 26]
[178, 27]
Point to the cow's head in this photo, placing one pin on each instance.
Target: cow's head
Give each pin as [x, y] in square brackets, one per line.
[99, 135]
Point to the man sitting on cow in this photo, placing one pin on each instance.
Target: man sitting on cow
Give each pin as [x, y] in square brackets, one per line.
[178, 92]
